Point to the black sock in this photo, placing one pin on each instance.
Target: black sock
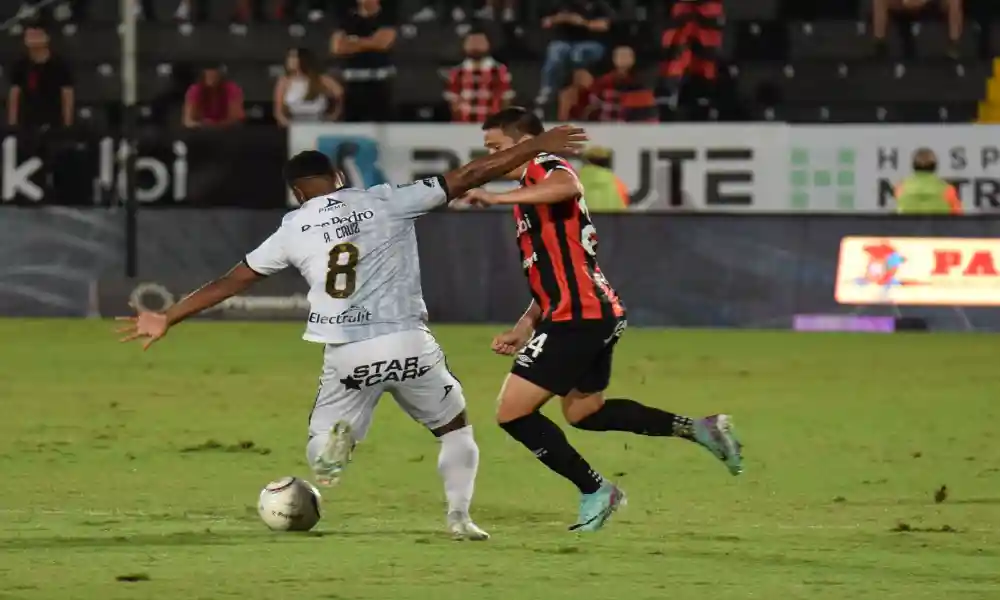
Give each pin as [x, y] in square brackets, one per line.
[549, 445]
[621, 414]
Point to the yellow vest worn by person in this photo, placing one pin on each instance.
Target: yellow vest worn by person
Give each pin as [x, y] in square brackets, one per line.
[925, 193]
[602, 189]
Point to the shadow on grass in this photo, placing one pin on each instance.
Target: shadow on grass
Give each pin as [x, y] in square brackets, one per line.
[196, 538]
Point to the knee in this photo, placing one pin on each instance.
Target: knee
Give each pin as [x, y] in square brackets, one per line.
[557, 52]
[577, 410]
[509, 410]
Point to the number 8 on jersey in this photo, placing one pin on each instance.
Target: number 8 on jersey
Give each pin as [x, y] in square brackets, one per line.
[342, 270]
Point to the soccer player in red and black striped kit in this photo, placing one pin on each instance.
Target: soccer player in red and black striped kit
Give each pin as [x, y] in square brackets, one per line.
[564, 342]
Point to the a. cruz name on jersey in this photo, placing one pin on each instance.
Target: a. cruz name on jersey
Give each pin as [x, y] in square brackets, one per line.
[345, 226]
[390, 370]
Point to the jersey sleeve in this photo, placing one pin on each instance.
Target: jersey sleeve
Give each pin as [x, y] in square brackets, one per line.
[271, 256]
[412, 200]
[545, 164]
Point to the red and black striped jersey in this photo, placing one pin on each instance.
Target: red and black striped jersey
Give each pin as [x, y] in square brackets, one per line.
[558, 246]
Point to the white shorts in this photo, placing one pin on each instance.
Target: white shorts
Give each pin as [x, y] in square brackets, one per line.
[410, 365]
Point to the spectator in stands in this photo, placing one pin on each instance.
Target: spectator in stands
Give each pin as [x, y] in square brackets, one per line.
[604, 191]
[460, 9]
[915, 9]
[304, 93]
[924, 192]
[579, 29]
[41, 91]
[619, 96]
[480, 85]
[213, 101]
[574, 99]
[362, 43]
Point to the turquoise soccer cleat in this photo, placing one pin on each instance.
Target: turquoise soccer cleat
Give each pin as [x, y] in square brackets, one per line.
[717, 434]
[597, 508]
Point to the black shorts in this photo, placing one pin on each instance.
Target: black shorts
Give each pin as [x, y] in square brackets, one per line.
[561, 357]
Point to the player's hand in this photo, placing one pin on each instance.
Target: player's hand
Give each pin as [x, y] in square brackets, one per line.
[150, 326]
[564, 140]
[509, 342]
[480, 197]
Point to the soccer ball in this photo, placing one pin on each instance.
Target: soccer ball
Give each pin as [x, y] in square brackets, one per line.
[289, 504]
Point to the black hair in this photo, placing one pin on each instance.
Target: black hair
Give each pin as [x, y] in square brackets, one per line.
[515, 122]
[310, 163]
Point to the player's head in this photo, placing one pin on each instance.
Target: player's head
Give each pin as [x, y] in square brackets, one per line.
[476, 45]
[503, 129]
[369, 5]
[924, 160]
[309, 174]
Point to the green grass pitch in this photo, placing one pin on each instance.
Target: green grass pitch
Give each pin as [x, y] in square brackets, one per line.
[131, 475]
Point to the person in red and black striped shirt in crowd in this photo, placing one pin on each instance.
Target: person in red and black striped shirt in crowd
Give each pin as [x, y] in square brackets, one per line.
[563, 344]
[619, 95]
[480, 86]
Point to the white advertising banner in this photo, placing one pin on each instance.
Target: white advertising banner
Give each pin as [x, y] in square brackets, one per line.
[919, 271]
[721, 167]
[856, 167]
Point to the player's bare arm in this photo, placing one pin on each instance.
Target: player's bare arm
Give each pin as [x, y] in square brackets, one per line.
[559, 186]
[152, 326]
[509, 342]
[565, 139]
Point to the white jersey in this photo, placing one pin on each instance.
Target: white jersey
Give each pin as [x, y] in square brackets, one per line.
[357, 250]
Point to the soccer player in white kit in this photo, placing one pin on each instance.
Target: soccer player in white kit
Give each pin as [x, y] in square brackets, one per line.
[357, 250]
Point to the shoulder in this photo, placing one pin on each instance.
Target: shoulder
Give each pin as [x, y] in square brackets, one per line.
[547, 162]
[232, 87]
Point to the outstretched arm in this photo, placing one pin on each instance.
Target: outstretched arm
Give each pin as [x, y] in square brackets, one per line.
[151, 326]
[236, 281]
[565, 139]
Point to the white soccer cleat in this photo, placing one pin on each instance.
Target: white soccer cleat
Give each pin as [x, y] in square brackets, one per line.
[332, 461]
[463, 529]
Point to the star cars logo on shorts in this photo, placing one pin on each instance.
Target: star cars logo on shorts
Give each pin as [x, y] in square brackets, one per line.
[385, 371]
[354, 315]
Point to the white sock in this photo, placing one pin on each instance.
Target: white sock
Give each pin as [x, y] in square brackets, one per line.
[458, 462]
[315, 446]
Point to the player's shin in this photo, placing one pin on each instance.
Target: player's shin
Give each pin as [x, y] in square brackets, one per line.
[622, 414]
[458, 462]
[549, 445]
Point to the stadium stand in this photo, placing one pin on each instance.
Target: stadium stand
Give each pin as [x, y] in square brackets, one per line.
[768, 59]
